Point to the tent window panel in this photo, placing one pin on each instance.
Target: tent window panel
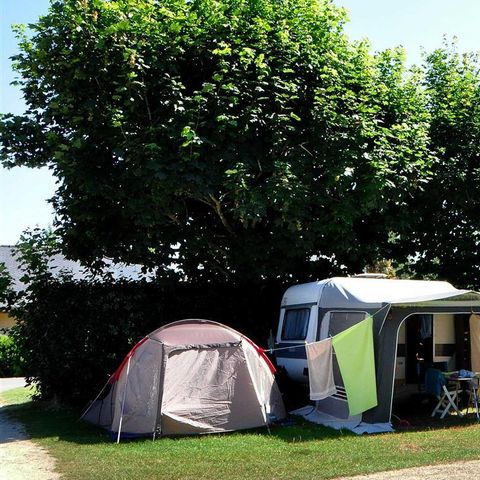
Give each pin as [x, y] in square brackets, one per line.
[295, 324]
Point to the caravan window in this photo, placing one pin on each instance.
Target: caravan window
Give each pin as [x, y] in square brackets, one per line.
[340, 321]
[295, 324]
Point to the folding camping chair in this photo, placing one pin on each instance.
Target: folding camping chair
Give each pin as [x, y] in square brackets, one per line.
[435, 384]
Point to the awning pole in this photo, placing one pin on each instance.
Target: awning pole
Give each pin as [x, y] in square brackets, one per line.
[123, 401]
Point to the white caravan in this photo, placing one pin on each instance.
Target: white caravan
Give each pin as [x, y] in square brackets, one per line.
[404, 312]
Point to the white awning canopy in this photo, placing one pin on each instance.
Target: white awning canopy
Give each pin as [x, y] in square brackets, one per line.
[367, 293]
[373, 293]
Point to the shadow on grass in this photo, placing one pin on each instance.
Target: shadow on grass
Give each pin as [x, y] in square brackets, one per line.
[44, 421]
[414, 414]
[41, 420]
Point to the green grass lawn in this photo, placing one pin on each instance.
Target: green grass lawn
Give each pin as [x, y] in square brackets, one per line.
[303, 451]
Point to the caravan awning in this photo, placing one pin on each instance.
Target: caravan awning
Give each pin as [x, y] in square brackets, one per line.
[366, 293]
[465, 298]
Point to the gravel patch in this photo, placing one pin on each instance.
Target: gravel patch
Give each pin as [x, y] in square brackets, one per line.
[453, 471]
[20, 458]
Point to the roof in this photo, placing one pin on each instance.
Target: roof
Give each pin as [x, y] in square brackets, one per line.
[58, 264]
[351, 292]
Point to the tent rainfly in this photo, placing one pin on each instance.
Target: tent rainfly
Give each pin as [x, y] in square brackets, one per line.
[189, 377]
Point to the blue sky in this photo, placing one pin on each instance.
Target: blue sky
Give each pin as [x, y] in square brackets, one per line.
[23, 191]
[414, 24]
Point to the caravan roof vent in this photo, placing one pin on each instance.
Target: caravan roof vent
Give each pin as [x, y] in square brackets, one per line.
[370, 275]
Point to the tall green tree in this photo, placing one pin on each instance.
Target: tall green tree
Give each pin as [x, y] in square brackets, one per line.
[237, 139]
[443, 235]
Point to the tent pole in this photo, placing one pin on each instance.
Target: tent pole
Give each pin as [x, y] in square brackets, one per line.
[266, 419]
[158, 428]
[123, 401]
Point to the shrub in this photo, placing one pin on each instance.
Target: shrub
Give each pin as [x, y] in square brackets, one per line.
[74, 334]
[11, 362]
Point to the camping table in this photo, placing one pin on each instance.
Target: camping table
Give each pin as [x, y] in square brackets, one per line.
[460, 384]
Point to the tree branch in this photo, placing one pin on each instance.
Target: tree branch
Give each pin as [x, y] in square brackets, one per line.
[211, 201]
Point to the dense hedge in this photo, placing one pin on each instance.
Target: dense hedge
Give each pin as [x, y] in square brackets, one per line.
[11, 362]
[74, 334]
